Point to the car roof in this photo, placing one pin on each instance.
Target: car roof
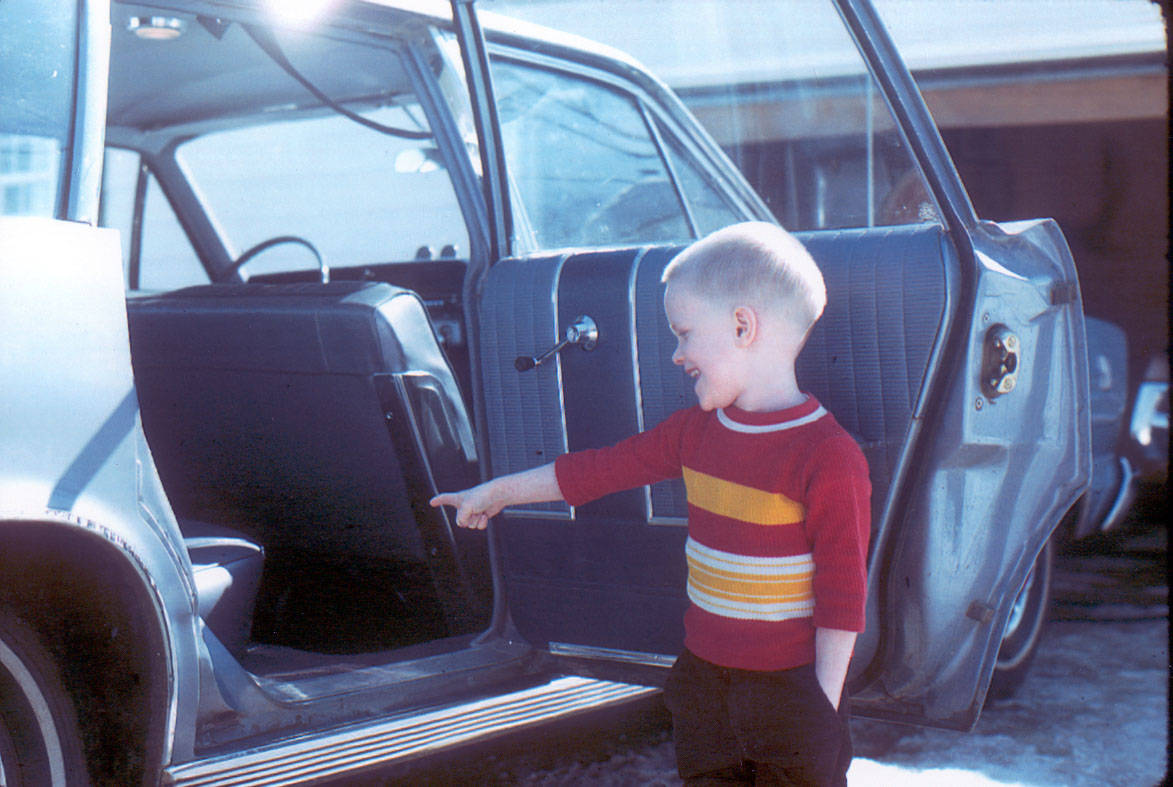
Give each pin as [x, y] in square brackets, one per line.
[214, 72]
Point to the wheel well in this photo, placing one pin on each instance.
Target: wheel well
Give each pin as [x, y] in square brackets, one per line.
[92, 610]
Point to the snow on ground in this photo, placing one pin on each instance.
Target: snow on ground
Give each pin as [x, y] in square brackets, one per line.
[1092, 711]
[869, 772]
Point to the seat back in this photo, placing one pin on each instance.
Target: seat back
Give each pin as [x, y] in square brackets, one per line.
[274, 409]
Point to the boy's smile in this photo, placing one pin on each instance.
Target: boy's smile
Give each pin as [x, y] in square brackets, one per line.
[706, 346]
[735, 355]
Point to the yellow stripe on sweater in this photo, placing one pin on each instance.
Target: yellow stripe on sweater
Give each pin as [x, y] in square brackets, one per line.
[737, 501]
[752, 594]
[750, 610]
[799, 571]
[752, 588]
[749, 588]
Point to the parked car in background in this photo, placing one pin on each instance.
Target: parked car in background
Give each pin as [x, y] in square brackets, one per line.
[1149, 421]
[269, 282]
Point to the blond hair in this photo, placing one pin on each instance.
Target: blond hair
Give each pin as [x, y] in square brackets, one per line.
[754, 263]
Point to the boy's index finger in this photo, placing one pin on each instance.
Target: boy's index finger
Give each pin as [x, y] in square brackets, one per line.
[443, 499]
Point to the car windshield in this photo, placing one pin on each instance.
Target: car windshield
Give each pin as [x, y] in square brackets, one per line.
[336, 176]
[368, 161]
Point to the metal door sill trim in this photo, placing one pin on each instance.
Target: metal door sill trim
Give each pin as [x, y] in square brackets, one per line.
[611, 654]
[404, 737]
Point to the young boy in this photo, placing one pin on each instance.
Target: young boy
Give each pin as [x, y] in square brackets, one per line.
[778, 508]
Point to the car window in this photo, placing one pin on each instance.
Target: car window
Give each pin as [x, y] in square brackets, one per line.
[582, 162]
[166, 259]
[709, 207]
[28, 174]
[36, 93]
[784, 91]
[358, 195]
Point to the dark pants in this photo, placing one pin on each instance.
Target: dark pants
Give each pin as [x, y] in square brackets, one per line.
[749, 727]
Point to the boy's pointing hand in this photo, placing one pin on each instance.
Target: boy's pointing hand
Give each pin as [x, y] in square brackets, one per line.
[473, 506]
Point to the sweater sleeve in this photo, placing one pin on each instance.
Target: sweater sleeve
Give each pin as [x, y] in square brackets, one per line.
[644, 458]
[838, 522]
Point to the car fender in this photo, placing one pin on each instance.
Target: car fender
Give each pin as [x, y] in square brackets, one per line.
[73, 457]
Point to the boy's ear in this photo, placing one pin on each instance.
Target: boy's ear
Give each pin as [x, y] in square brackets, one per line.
[745, 326]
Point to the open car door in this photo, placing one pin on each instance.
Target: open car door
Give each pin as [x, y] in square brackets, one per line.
[951, 349]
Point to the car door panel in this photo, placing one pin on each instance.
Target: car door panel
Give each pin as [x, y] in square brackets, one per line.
[597, 386]
[523, 412]
[566, 577]
[613, 576]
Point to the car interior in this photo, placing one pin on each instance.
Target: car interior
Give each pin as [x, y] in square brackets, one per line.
[309, 417]
[299, 427]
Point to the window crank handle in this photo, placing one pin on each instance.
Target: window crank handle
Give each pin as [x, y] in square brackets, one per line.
[583, 332]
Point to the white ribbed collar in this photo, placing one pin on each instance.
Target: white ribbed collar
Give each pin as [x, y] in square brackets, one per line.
[729, 423]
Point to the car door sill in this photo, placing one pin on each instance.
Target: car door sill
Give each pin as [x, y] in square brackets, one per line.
[403, 737]
[473, 661]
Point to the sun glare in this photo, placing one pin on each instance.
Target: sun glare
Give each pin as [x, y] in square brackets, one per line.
[297, 10]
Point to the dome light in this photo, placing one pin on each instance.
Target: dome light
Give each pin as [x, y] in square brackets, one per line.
[156, 28]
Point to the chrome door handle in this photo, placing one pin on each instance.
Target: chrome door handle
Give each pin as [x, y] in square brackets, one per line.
[583, 332]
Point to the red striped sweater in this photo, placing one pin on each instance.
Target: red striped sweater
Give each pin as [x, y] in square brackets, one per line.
[778, 524]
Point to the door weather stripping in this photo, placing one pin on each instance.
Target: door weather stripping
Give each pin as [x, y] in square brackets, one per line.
[484, 110]
[399, 739]
[611, 654]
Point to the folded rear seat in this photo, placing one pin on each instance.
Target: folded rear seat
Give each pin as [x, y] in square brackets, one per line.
[280, 411]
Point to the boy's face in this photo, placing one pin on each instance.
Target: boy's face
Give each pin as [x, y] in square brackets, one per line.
[706, 345]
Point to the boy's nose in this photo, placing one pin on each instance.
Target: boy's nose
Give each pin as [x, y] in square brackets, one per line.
[677, 356]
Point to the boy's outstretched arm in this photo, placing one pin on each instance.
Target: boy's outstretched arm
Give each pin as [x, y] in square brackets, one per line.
[833, 649]
[475, 506]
